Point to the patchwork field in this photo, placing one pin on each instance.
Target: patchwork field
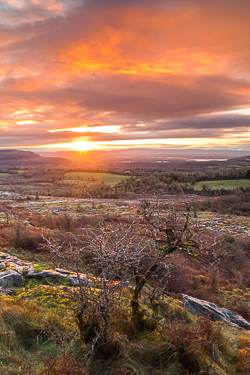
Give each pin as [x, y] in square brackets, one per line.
[223, 184]
[11, 174]
[73, 242]
[88, 178]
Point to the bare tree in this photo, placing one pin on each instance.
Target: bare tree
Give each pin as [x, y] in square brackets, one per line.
[108, 259]
[171, 232]
[103, 261]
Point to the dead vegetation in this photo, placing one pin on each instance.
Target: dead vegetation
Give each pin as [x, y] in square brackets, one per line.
[125, 316]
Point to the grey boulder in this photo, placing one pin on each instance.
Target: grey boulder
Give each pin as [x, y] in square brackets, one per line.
[10, 277]
[209, 309]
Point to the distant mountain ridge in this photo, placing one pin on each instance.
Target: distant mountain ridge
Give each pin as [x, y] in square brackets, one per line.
[20, 158]
[17, 155]
[139, 159]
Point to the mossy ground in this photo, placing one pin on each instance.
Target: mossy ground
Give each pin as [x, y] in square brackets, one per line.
[182, 344]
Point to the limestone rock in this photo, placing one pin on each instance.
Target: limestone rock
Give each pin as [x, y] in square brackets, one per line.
[10, 277]
[18, 268]
[31, 271]
[42, 274]
[229, 317]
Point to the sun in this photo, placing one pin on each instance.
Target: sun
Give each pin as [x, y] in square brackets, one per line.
[83, 146]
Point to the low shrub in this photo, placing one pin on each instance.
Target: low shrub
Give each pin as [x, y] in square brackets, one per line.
[25, 237]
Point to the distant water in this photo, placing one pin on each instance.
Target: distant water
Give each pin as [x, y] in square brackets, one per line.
[184, 159]
[207, 159]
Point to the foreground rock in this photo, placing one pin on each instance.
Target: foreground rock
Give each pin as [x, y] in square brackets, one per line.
[73, 277]
[229, 317]
[10, 277]
[42, 274]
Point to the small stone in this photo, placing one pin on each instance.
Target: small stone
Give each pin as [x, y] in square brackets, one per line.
[78, 279]
[6, 291]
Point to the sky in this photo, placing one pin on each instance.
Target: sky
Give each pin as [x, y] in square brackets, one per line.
[108, 74]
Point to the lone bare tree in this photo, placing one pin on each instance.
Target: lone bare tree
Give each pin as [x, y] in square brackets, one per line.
[109, 258]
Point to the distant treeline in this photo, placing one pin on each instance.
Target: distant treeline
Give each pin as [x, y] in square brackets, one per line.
[174, 182]
[144, 183]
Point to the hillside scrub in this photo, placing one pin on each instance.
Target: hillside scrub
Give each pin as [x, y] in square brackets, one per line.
[234, 204]
[122, 184]
[124, 315]
[140, 253]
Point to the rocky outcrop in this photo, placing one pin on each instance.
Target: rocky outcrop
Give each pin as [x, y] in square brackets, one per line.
[44, 273]
[209, 309]
[7, 261]
[75, 279]
[13, 269]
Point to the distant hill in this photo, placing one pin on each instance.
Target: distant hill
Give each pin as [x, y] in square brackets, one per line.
[19, 158]
[142, 153]
[17, 155]
[122, 159]
[245, 160]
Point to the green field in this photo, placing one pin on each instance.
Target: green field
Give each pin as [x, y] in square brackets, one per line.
[19, 171]
[223, 184]
[44, 183]
[88, 178]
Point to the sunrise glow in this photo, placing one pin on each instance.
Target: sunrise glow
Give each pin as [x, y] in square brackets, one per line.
[83, 146]
[76, 146]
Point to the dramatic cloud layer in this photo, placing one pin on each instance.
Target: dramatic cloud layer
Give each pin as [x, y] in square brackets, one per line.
[162, 72]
